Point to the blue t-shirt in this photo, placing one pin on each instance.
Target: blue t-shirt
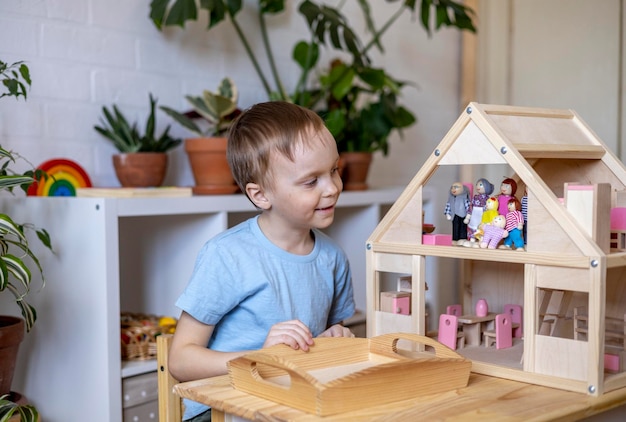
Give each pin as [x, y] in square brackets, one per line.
[244, 284]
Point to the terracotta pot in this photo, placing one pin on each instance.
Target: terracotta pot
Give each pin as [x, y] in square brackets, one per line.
[140, 169]
[207, 157]
[354, 167]
[11, 335]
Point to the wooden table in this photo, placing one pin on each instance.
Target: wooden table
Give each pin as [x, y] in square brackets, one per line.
[473, 327]
[484, 399]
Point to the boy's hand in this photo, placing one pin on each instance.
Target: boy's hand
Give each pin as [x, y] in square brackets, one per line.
[292, 333]
[337, 330]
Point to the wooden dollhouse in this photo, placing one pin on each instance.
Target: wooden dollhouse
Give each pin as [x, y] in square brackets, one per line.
[572, 182]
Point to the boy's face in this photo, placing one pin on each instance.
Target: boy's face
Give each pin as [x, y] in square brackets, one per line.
[303, 192]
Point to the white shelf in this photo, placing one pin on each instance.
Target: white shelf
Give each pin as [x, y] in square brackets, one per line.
[132, 254]
[132, 368]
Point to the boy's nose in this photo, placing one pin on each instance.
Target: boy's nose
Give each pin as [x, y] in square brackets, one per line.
[333, 186]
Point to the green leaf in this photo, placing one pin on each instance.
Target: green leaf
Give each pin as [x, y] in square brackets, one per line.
[375, 78]
[158, 8]
[335, 122]
[16, 267]
[9, 228]
[271, 6]
[7, 182]
[306, 55]
[8, 409]
[44, 237]
[182, 119]
[341, 78]
[182, 11]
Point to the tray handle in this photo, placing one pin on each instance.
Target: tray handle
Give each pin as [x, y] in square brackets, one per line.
[244, 368]
[388, 343]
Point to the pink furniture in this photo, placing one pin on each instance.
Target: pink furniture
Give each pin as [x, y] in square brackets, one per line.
[437, 239]
[396, 302]
[456, 310]
[517, 319]
[503, 333]
[618, 218]
[449, 333]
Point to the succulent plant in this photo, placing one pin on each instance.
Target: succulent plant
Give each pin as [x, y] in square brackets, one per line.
[218, 109]
[128, 139]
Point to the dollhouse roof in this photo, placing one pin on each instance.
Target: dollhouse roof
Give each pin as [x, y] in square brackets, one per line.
[544, 148]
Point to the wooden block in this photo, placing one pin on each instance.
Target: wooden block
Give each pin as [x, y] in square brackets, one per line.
[396, 302]
[437, 239]
[591, 207]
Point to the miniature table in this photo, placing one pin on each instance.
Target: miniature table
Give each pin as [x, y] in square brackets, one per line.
[473, 327]
[485, 398]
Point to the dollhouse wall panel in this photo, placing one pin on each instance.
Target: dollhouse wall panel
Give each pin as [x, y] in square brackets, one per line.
[544, 234]
[497, 282]
[540, 130]
[591, 206]
[559, 278]
[407, 228]
[472, 147]
[387, 322]
[397, 263]
[616, 292]
[555, 172]
[561, 357]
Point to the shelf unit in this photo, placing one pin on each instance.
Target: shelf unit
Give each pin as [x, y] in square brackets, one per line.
[131, 254]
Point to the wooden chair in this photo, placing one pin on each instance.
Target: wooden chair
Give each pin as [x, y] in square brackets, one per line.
[502, 334]
[449, 333]
[170, 405]
[517, 319]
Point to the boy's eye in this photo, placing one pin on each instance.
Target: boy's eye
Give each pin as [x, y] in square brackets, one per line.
[312, 182]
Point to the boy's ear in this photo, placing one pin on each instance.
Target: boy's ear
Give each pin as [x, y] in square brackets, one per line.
[257, 196]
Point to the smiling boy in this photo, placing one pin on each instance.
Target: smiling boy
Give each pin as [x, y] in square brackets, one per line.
[275, 278]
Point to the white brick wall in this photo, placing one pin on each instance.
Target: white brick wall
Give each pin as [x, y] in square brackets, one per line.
[84, 54]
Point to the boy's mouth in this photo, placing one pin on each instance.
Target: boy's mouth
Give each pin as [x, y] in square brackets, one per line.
[330, 207]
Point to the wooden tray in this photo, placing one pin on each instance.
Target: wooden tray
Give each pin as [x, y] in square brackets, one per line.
[343, 374]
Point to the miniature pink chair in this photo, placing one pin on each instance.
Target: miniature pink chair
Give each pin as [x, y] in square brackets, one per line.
[503, 333]
[456, 310]
[449, 333]
[517, 319]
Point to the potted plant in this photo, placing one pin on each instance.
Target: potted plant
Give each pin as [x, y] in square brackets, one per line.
[142, 159]
[17, 260]
[361, 110]
[355, 98]
[207, 151]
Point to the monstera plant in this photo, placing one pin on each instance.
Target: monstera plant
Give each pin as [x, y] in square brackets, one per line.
[356, 99]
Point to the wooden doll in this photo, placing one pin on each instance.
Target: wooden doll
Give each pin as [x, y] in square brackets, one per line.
[456, 210]
[483, 189]
[494, 232]
[508, 187]
[514, 225]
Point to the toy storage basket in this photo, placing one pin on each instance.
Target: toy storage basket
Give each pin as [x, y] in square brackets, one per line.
[139, 333]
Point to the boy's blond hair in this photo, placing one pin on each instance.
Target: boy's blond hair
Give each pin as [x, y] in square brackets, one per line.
[264, 128]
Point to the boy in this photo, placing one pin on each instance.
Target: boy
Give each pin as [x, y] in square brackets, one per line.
[275, 278]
